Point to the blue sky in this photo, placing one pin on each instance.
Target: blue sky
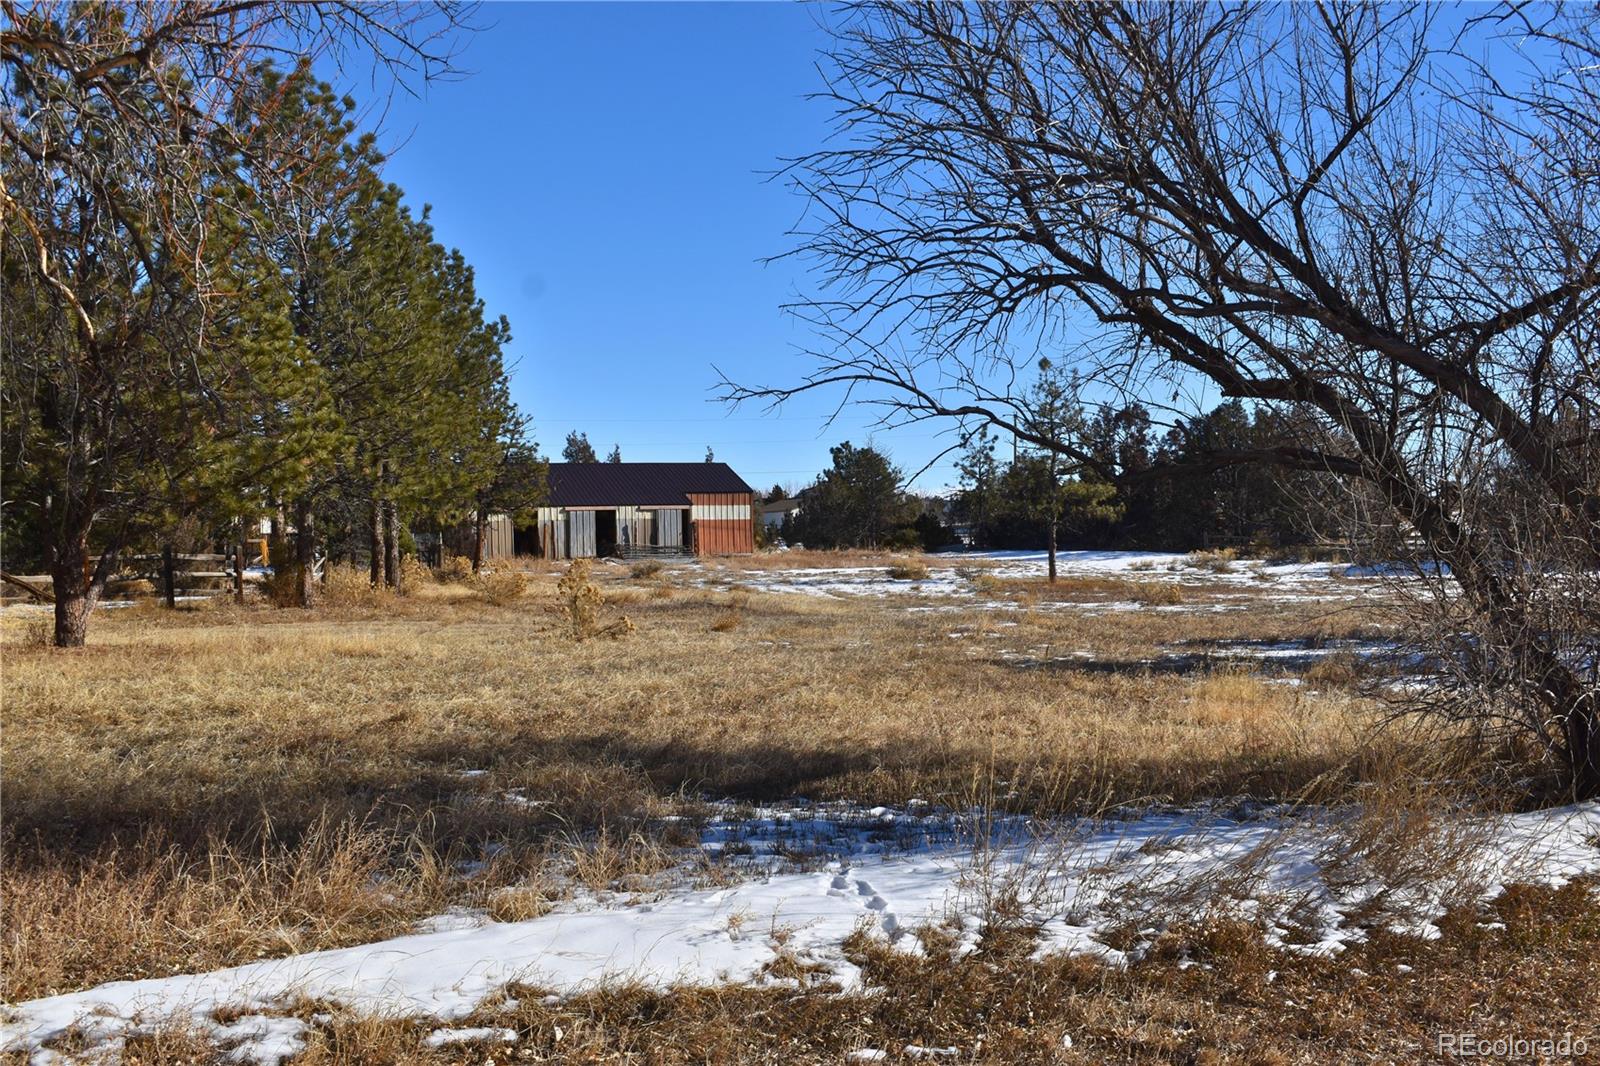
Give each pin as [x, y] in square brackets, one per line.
[604, 167]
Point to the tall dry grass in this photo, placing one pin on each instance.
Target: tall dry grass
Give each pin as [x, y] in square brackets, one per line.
[144, 773]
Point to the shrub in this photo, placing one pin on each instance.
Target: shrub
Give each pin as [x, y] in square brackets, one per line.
[645, 568]
[282, 586]
[346, 586]
[413, 574]
[502, 587]
[910, 570]
[1159, 594]
[1218, 561]
[903, 539]
[453, 569]
[580, 600]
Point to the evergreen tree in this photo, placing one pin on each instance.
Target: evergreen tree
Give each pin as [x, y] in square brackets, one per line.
[856, 502]
[978, 502]
[578, 449]
[517, 489]
[616, 454]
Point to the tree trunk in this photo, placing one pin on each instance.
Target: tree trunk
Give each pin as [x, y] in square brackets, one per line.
[73, 602]
[305, 543]
[276, 554]
[77, 587]
[168, 578]
[480, 534]
[1582, 729]
[375, 543]
[391, 545]
[1052, 553]
[242, 548]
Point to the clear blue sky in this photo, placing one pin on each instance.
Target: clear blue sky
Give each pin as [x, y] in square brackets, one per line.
[604, 168]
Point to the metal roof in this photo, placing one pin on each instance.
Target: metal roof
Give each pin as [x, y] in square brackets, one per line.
[637, 484]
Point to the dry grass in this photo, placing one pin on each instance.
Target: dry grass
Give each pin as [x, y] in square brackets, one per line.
[150, 908]
[1210, 994]
[1235, 697]
[147, 774]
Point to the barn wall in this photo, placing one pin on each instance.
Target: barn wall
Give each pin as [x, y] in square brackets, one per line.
[499, 541]
[722, 524]
[552, 533]
[669, 527]
[635, 525]
[580, 534]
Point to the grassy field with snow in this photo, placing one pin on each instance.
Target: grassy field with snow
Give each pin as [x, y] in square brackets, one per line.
[811, 808]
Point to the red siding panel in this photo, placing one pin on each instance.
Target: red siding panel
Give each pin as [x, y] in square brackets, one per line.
[719, 530]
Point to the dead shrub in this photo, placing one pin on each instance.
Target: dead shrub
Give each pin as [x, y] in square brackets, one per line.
[1158, 594]
[501, 588]
[580, 599]
[453, 570]
[346, 586]
[645, 568]
[1216, 560]
[414, 574]
[38, 631]
[910, 570]
[131, 589]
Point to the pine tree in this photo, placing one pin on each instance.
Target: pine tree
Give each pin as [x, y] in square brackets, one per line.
[978, 502]
[857, 502]
[578, 449]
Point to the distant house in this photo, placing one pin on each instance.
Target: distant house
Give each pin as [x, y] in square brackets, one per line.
[774, 513]
[601, 509]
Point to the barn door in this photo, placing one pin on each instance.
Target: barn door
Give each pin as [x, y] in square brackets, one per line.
[580, 534]
[669, 528]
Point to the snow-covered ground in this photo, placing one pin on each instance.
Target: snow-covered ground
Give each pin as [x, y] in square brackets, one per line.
[884, 872]
[956, 576]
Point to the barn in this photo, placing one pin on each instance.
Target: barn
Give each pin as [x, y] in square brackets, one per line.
[601, 509]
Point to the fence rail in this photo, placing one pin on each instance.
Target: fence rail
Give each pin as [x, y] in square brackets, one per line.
[137, 568]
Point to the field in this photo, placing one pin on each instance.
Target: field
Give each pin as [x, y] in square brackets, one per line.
[799, 808]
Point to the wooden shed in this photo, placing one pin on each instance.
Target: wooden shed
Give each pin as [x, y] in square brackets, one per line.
[634, 509]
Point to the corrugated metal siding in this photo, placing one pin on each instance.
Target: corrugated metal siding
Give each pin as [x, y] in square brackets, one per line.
[722, 523]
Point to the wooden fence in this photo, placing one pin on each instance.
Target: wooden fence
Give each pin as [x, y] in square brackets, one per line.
[188, 577]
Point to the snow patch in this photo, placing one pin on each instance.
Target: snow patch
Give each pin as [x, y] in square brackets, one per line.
[887, 872]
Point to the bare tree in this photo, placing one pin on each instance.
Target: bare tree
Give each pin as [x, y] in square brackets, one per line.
[136, 145]
[1359, 214]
